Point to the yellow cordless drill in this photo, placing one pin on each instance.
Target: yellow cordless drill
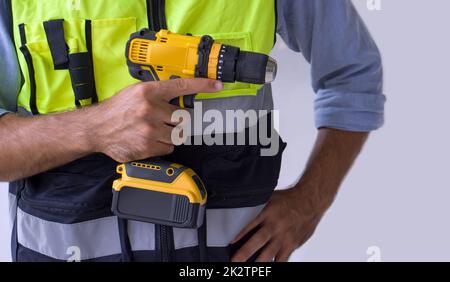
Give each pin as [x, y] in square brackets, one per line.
[155, 190]
[164, 55]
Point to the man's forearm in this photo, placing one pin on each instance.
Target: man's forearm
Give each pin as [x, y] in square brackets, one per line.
[332, 157]
[30, 145]
[134, 124]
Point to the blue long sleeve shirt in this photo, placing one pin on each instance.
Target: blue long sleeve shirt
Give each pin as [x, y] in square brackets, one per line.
[346, 66]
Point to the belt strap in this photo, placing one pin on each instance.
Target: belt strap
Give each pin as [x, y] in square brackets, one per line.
[202, 241]
[127, 253]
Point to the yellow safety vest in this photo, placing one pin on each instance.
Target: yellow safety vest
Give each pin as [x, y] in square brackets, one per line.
[72, 52]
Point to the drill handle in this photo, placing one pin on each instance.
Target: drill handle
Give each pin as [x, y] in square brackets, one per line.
[183, 102]
[145, 75]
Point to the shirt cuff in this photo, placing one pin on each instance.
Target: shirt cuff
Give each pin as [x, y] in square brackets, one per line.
[3, 112]
[357, 112]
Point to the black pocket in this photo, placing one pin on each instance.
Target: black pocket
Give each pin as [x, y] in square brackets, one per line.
[239, 176]
[75, 192]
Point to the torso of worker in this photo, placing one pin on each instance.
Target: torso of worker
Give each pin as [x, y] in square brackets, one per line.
[65, 213]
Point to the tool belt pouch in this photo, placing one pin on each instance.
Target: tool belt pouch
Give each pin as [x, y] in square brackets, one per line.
[234, 175]
[72, 193]
[241, 176]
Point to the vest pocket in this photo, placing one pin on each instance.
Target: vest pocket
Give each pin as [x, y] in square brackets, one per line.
[52, 89]
[240, 177]
[45, 89]
[73, 193]
[109, 39]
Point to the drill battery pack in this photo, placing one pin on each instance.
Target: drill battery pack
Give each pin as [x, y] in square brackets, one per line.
[159, 192]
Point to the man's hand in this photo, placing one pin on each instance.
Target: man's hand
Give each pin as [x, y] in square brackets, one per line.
[283, 226]
[136, 123]
[291, 216]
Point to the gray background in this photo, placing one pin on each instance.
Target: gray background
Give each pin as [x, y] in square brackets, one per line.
[396, 196]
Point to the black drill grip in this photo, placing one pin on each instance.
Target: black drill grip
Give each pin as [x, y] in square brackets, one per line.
[186, 102]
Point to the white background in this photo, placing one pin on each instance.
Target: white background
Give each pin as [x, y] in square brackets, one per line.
[396, 197]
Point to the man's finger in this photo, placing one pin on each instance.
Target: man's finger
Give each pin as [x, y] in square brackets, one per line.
[283, 255]
[251, 226]
[166, 134]
[174, 88]
[161, 149]
[269, 252]
[162, 112]
[167, 111]
[254, 244]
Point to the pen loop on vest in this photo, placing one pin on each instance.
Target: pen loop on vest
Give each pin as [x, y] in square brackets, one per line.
[80, 65]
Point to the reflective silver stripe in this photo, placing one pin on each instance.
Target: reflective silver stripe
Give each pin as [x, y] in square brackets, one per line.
[100, 237]
[222, 226]
[225, 224]
[142, 235]
[262, 101]
[94, 238]
[185, 238]
[12, 209]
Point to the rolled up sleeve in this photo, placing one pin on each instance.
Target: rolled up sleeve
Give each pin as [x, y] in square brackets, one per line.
[3, 112]
[346, 66]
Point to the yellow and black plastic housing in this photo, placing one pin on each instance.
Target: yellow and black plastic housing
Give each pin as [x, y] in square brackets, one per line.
[164, 55]
[159, 192]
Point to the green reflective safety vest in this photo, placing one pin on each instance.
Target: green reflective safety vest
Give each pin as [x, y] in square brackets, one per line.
[71, 52]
